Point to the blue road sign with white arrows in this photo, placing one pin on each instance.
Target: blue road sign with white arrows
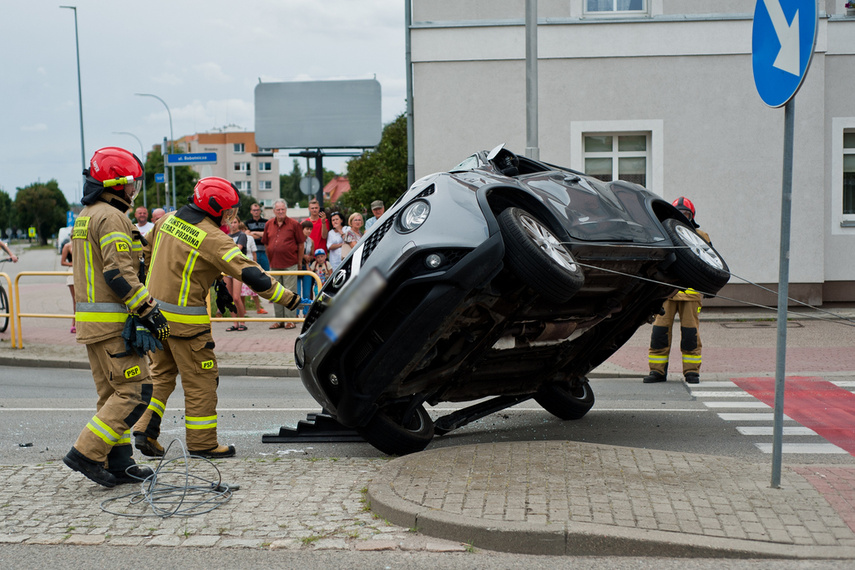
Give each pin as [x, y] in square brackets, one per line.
[191, 157]
[782, 44]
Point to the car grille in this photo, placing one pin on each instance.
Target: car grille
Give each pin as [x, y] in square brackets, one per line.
[374, 238]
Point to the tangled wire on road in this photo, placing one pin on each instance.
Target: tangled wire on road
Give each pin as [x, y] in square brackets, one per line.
[176, 489]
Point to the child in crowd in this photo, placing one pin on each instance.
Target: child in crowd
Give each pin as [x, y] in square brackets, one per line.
[321, 266]
[305, 283]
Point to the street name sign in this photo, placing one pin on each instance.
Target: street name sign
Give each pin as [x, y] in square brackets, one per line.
[782, 44]
[191, 158]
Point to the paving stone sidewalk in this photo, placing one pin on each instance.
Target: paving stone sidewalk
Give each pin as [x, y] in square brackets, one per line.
[561, 497]
[282, 503]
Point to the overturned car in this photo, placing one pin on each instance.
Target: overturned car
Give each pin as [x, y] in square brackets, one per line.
[504, 277]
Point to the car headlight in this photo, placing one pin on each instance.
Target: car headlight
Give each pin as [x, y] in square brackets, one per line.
[413, 216]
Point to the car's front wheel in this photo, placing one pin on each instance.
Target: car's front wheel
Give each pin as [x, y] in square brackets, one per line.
[698, 265]
[538, 257]
[393, 434]
[565, 401]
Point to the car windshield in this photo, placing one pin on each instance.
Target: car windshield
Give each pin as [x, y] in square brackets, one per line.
[470, 163]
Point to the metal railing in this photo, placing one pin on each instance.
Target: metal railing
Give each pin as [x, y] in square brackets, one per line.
[10, 312]
[15, 314]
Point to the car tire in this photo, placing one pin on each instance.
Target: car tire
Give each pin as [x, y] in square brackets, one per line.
[565, 401]
[697, 265]
[386, 432]
[538, 257]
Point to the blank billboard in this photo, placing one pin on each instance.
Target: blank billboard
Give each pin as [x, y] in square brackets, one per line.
[318, 114]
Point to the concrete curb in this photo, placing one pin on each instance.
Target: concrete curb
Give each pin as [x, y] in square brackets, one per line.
[573, 538]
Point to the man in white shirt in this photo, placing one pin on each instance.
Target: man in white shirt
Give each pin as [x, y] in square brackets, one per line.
[143, 225]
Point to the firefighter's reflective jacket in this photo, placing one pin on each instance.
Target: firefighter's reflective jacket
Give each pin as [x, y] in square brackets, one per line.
[106, 248]
[188, 251]
[691, 294]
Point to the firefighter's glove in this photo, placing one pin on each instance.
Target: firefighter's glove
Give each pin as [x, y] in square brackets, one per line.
[137, 337]
[294, 302]
[155, 322]
[224, 298]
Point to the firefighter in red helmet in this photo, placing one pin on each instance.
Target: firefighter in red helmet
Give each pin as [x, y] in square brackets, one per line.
[687, 304]
[188, 252]
[112, 302]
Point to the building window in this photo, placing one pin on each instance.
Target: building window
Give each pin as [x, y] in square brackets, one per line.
[265, 185]
[265, 166]
[244, 186]
[240, 147]
[849, 175]
[243, 167]
[623, 6]
[617, 156]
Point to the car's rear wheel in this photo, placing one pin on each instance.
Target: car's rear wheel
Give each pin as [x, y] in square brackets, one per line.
[565, 401]
[393, 434]
[538, 257]
[698, 265]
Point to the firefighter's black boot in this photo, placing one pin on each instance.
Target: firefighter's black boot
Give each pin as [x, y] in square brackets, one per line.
[91, 469]
[653, 377]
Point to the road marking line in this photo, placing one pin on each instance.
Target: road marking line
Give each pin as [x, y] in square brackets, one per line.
[805, 448]
[749, 417]
[768, 430]
[734, 394]
[748, 405]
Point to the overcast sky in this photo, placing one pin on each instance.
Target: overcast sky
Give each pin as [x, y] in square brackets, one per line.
[202, 57]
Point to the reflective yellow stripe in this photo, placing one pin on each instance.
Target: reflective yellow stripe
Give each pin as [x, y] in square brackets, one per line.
[125, 439]
[231, 254]
[188, 233]
[690, 292]
[692, 358]
[277, 294]
[184, 293]
[103, 431]
[206, 422]
[656, 358]
[87, 317]
[137, 246]
[186, 319]
[115, 236]
[157, 406]
[137, 299]
[89, 270]
[153, 256]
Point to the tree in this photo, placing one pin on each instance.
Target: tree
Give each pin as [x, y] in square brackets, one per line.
[7, 214]
[155, 195]
[289, 185]
[246, 202]
[43, 206]
[381, 173]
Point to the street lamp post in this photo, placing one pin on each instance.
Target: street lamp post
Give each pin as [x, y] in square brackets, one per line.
[79, 89]
[172, 138]
[142, 153]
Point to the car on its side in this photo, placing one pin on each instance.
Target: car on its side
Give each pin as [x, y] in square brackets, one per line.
[504, 277]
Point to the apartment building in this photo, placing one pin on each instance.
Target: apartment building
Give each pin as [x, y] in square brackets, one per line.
[659, 92]
[253, 171]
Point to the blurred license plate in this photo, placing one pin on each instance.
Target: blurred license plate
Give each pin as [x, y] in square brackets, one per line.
[354, 303]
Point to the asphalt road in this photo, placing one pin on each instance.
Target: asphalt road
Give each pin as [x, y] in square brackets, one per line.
[42, 410]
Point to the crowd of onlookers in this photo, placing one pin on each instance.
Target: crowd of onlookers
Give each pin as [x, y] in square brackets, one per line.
[317, 243]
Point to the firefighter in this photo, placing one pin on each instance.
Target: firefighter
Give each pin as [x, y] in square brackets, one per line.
[111, 301]
[687, 304]
[188, 252]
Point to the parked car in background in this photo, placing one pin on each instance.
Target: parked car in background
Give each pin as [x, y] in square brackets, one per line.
[504, 277]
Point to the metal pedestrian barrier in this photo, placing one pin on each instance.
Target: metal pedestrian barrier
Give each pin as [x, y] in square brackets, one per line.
[15, 313]
[9, 313]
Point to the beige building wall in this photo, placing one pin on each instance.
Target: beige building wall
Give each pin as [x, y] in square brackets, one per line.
[681, 73]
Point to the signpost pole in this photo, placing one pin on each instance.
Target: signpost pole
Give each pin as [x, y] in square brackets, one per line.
[783, 292]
